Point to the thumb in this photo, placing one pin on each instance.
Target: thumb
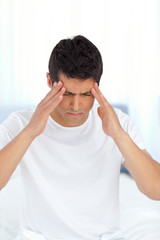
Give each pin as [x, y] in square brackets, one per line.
[100, 112]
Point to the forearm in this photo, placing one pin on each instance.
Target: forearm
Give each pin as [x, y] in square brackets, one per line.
[11, 155]
[143, 168]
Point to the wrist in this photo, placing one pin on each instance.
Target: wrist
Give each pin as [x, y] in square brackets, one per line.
[29, 133]
[119, 135]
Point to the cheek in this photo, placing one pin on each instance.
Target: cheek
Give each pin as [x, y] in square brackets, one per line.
[89, 104]
[62, 106]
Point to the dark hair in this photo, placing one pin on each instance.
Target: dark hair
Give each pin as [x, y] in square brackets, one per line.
[76, 58]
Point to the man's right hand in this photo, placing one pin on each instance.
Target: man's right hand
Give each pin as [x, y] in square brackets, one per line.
[45, 107]
[13, 152]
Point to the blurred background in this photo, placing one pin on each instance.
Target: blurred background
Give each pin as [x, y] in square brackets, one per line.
[127, 33]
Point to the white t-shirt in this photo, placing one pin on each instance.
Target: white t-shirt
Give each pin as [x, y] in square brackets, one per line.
[70, 177]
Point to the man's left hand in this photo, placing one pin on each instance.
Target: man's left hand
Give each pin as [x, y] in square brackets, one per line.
[110, 122]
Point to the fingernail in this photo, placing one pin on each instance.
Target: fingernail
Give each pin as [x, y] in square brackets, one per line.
[60, 97]
[55, 84]
[59, 83]
[93, 89]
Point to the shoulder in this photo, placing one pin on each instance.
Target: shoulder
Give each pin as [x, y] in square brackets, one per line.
[125, 120]
[22, 117]
[15, 122]
[122, 116]
[129, 125]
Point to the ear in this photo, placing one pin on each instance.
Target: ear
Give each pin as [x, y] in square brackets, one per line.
[49, 81]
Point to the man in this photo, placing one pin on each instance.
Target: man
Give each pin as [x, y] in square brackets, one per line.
[70, 156]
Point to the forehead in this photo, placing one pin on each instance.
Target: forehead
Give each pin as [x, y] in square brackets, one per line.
[76, 85]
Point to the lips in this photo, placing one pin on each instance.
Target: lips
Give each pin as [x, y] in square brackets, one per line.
[73, 114]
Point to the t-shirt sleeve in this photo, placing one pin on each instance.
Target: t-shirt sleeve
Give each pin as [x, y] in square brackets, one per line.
[130, 127]
[9, 129]
[134, 133]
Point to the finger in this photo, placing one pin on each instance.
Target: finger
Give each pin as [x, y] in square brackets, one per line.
[53, 102]
[100, 112]
[99, 96]
[55, 89]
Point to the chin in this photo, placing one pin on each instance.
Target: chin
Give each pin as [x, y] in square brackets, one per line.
[75, 123]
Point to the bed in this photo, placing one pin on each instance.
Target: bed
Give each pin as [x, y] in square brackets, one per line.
[140, 216]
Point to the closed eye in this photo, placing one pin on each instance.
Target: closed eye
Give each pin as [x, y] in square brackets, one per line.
[87, 94]
[68, 94]
[82, 94]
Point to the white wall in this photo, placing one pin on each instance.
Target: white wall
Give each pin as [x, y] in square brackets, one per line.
[125, 31]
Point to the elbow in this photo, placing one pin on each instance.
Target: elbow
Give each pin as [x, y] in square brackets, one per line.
[153, 192]
[154, 196]
[2, 184]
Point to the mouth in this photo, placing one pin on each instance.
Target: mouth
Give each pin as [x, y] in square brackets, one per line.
[75, 114]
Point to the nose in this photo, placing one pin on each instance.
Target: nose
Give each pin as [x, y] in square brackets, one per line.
[75, 103]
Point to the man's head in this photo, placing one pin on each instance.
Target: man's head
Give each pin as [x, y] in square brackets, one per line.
[77, 64]
[75, 58]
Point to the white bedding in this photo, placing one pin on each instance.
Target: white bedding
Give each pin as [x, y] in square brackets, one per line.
[140, 216]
